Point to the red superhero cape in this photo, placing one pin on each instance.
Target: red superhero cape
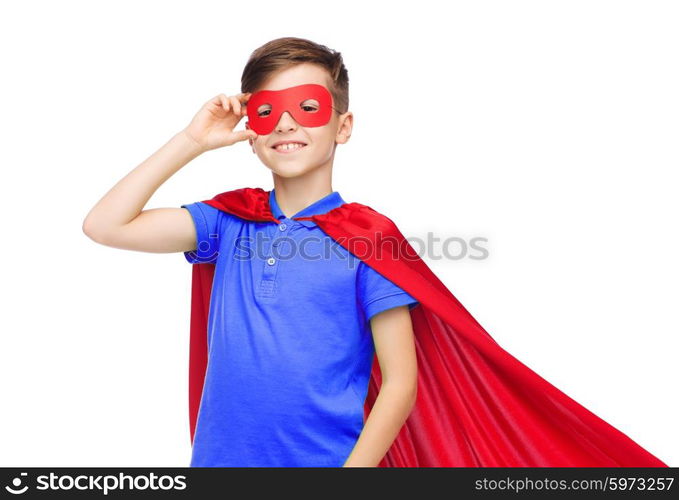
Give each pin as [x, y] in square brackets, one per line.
[477, 405]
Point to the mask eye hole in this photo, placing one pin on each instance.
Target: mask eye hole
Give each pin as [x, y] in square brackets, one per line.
[310, 105]
[264, 110]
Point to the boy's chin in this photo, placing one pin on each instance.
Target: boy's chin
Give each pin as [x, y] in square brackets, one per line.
[290, 171]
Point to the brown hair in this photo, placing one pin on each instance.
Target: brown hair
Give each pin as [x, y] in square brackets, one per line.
[285, 52]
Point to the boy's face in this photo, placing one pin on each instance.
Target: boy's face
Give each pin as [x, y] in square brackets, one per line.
[321, 127]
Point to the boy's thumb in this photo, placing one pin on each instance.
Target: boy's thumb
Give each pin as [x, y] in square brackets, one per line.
[244, 135]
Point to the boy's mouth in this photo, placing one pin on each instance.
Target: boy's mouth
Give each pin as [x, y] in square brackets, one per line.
[288, 147]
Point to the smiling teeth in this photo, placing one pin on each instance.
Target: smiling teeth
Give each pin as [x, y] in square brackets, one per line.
[290, 146]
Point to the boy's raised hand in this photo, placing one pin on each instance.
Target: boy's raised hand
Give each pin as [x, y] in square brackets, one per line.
[213, 125]
[118, 219]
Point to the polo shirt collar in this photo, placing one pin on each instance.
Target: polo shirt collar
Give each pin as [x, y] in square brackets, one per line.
[325, 204]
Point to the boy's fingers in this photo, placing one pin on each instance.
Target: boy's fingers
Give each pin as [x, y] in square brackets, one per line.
[231, 103]
[225, 102]
[244, 98]
[236, 105]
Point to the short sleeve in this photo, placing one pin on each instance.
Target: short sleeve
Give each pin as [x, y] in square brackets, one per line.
[377, 293]
[207, 222]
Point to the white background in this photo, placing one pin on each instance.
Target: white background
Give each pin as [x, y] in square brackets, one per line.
[549, 128]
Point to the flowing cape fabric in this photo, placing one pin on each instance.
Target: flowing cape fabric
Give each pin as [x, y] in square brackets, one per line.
[477, 405]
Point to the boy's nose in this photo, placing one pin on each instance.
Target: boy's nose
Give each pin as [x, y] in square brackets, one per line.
[286, 121]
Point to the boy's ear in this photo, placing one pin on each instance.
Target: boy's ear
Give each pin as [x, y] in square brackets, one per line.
[247, 126]
[344, 132]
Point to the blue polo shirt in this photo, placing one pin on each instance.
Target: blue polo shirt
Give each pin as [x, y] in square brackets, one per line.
[290, 347]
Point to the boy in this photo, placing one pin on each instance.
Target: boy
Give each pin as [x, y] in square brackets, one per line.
[293, 323]
[292, 327]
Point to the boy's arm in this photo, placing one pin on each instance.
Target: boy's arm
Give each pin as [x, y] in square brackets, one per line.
[395, 348]
[117, 220]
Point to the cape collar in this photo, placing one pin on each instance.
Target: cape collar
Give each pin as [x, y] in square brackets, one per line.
[322, 206]
[254, 204]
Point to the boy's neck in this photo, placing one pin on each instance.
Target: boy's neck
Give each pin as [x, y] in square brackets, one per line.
[293, 194]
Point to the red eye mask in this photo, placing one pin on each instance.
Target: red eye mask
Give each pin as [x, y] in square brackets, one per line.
[291, 100]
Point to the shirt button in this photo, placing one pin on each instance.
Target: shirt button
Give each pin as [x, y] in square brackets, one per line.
[283, 226]
[271, 261]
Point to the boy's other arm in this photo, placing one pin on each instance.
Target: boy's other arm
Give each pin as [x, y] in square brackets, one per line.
[118, 219]
[395, 348]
